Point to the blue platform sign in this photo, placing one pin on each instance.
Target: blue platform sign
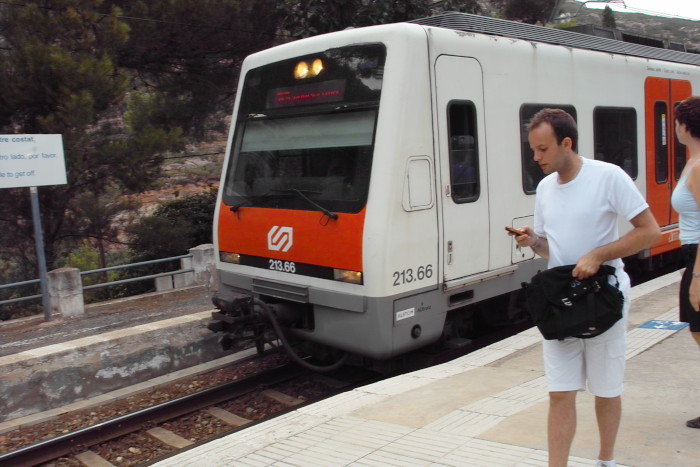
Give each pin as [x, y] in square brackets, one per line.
[664, 325]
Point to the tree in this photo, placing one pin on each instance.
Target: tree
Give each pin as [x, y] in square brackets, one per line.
[58, 77]
[527, 11]
[174, 228]
[304, 18]
[192, 54]
[124, 82]
[463, 6]
[94, 216]
[608, 18]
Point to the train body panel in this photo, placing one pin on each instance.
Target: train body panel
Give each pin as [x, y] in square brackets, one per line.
[364, 199]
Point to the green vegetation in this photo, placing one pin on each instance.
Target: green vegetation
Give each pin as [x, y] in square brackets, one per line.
[174, 228]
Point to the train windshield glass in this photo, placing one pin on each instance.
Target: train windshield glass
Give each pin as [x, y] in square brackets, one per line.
[325, 157]
[305, 132]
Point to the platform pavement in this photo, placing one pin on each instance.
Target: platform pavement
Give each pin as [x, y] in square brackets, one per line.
[489, 408]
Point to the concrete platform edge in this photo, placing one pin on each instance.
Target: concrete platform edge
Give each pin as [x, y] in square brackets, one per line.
[53, 376]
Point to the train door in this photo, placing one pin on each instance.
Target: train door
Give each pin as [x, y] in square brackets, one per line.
[462, 154]
[665, 155]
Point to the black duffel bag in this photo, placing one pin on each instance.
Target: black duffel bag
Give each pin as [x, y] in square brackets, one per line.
[562, 306]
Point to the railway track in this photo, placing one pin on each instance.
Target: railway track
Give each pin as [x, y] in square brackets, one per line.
[141, 436]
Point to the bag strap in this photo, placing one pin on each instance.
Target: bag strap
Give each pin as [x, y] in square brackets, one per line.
[591, 309]
[560, 326]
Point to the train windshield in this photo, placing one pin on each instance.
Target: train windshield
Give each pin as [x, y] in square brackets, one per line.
[307, 143]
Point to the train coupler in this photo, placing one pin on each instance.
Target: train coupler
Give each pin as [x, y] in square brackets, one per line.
[238, 321]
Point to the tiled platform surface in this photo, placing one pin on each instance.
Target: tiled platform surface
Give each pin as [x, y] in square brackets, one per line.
[489, 408]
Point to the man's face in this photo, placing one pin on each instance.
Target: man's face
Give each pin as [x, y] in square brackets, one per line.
[547, 153]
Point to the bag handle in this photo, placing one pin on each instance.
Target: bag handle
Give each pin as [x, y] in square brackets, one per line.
[607, 270]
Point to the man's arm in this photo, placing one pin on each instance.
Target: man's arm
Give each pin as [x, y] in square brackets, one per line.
[645, 233]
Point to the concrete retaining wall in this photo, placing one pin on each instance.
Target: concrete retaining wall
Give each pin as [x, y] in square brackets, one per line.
[56, 375]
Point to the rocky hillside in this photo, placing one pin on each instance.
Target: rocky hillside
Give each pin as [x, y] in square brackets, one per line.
[673, 29]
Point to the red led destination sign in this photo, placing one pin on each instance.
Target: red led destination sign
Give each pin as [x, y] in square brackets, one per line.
[306, 94]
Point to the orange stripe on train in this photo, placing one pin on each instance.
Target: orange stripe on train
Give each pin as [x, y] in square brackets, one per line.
[302, 236]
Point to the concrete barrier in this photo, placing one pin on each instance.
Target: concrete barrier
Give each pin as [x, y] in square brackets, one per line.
[56, 375]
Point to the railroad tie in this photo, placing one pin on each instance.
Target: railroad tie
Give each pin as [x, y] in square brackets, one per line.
[92, 459]
[226, 416]
[169, 438]
[284, 399]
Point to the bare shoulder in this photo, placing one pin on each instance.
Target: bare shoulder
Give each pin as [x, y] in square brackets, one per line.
[693, 180]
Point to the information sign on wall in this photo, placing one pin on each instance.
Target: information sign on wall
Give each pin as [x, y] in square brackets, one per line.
[31, 160]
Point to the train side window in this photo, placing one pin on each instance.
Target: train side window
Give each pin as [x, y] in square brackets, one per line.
[679, 154]
[615, 137]
[660, 142]
[464, 152]
[531, 172]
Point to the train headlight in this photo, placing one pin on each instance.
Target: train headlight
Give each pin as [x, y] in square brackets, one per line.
[227, 257]
[316, 67]
[301, 71]
[343, 275]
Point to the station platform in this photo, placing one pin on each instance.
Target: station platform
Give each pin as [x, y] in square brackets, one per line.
[47, 367]
[489, 408]
[26, 334]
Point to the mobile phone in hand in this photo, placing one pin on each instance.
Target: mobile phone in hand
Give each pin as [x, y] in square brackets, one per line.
[515, 231]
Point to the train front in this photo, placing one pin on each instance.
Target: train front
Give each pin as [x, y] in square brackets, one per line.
[293, 202]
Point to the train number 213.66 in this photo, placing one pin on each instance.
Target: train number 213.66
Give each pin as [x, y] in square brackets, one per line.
[410, 275]
[283, 266]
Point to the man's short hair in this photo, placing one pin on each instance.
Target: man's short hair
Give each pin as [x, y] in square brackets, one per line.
[562, 123]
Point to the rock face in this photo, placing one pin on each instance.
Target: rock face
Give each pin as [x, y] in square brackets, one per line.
[672, 29]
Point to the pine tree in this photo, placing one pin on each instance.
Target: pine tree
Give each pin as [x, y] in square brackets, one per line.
[608, 20]
[123, 82]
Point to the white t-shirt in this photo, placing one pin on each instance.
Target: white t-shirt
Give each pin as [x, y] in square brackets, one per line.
[579, 216]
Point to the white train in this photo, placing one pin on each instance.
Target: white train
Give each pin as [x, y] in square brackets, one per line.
[370, 173]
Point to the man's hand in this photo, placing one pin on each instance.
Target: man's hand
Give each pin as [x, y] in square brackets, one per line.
[587, 266]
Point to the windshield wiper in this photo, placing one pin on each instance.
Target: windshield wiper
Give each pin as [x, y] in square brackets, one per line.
[237, 206]
[301, 194]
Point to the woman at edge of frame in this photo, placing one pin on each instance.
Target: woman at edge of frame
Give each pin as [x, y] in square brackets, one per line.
[685, 200]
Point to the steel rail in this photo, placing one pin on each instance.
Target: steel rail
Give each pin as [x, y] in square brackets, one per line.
[82, 439]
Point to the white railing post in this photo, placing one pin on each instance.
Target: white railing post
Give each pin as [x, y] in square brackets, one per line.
[202, 259]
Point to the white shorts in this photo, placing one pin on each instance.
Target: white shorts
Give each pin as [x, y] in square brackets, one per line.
[598, 361]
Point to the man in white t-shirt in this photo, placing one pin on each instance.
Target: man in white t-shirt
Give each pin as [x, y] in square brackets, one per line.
[576, 212]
